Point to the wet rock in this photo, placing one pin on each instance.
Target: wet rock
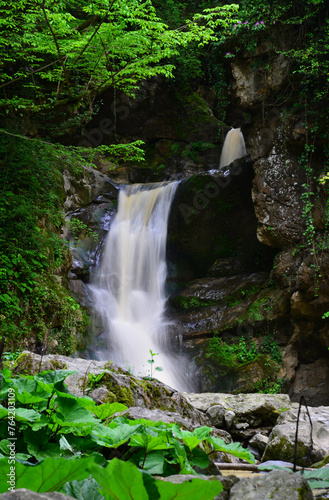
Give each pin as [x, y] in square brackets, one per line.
[312, 381]
[277, 191]
[275, 485]
[80, 292]
[84, 186]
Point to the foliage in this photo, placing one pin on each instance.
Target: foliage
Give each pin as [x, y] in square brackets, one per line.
[78, 50]
[32, 301]
[66, 442]
[230, 357]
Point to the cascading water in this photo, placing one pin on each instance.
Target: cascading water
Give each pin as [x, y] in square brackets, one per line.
[233, 148]
[129, 292]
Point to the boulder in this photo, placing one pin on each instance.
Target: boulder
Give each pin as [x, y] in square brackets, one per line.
[116, 384]
[275, 485]
[249, 410]
[312, 443]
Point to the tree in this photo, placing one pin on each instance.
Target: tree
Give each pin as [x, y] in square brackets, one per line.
[57, 50]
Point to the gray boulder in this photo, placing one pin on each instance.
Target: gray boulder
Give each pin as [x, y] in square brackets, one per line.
[313, 442]
[276, 485]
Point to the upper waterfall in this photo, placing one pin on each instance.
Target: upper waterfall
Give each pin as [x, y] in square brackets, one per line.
[129, 291]
[233, 148]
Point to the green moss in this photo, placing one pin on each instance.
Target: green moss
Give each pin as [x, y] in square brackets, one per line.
[57, 365]
[117, 392]
[191, 302]
[24, 364]
[283, 449]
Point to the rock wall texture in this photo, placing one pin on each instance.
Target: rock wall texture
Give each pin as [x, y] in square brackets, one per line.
[242, 264]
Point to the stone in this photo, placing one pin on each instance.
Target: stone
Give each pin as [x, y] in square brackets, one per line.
[216, 415]
[249, 87]
[246, 407]
[275, 485]
[24, 494]
[229, 416]
[259, 441]
[120, 385]
[85, 186]
[168, 417]
[277, 196]
[312, 382]
[312, 443]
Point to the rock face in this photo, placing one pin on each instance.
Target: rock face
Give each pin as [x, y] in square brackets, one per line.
[247, 245]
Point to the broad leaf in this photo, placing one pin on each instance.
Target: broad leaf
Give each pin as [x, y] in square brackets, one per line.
[49, 475]
[71, 411]
[234, 449]
[88, 489]
[120, 480]
[106, 436]
[196, 489]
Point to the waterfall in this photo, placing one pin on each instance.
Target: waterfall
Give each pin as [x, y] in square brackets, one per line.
[233, 148]
[129, 290]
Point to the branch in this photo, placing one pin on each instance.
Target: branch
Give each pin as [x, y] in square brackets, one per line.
[58, 49]
[92, 36]
[35, 71]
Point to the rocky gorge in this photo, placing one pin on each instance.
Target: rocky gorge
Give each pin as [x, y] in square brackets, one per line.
[246, 270]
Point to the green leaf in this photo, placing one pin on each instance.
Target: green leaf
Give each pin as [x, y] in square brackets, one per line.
[234, 449]
[106, 410]
[88, 489]
[21, 414]
[318, 478]
[196, 489]
[71, 411]
[155, 463]
[199, 458]
[120, 480]
[150, 443]
[49, 475]
[114, 437]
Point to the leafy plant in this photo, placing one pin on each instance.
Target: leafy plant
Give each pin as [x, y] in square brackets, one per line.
[69, 443]
[151, 362]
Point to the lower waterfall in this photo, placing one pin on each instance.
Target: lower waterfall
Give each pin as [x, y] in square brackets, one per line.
[129, 289]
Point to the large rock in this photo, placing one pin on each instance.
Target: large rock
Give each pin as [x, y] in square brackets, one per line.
[117, 384]
[84, 186]
[276, 485]
[312, 382]
[244, 410]
[277, 196]
[313, 440]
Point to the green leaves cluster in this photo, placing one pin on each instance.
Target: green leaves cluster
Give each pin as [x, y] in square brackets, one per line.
[75, 50]
[66, 440]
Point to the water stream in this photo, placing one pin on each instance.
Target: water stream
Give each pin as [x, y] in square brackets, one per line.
[129, 290]
[233, 148]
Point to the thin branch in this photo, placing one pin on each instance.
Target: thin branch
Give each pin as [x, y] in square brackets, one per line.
[92, 36]
[35, 71]
[58, 49]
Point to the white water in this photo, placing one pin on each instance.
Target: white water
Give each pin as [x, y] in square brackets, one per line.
[130, 289]
[233, 148]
